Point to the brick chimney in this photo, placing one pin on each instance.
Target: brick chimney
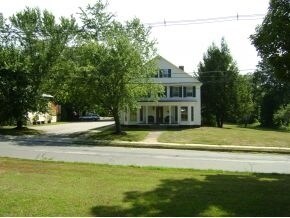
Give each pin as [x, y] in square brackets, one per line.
[181, 67]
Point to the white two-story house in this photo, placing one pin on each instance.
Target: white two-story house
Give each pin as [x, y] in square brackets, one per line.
[180, 105]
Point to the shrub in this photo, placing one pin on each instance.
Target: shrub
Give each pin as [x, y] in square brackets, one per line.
[282, 117]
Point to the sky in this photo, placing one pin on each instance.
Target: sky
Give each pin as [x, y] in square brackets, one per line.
[181, 44]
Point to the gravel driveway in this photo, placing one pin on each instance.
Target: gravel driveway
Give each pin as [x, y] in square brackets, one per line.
[70, 128]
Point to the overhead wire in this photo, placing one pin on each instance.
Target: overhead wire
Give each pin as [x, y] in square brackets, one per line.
[236, 17]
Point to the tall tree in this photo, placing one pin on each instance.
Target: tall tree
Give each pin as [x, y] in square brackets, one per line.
[218, 73]
[35, 41]
[272, 38]
[245, 105]
[112, 64]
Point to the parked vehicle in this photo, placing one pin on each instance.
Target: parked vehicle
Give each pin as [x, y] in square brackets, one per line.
[90, 117]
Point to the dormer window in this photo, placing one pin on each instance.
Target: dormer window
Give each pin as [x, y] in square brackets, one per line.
[164, 73]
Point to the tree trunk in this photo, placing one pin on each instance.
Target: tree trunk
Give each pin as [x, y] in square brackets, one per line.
[246, 122]
[117, 122]
[221, 122]
[19, 124]
[218, 121]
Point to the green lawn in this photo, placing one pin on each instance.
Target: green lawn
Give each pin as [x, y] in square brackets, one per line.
[229, 135]
[13, 131]
[130, 134]
[36, 188]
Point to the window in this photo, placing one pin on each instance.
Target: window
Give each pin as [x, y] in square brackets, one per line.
[175, 91]
[192, 114]
[141, 114]
[164, 73]
[184, 113]
[133, 116]
[189, 91]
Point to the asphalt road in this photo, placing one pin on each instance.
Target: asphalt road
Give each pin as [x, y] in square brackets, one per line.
[70, 128]
[61, 151]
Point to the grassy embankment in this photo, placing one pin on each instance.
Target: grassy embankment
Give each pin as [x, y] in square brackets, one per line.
[36, 188]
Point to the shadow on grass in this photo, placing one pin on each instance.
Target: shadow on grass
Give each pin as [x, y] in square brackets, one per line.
[84, 133]
[216, 195]
[19, 132]
[258, 127]
[128, 134]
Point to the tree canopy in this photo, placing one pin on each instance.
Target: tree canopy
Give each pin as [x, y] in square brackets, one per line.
[30, 43]
[272, 38]
[269, 93]
[100, 62]
[110, 65]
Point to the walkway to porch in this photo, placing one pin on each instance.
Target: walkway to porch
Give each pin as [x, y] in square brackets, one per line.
[152, 137]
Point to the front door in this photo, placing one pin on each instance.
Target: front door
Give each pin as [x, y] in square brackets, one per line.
[159, 115]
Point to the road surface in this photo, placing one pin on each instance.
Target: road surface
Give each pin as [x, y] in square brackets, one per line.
[63, 151]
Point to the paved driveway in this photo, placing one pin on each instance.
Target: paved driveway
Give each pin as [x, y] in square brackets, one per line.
[70, 128]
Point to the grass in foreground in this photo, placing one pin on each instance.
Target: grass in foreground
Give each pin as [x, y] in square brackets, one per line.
[229, 135]
[35, 188]
[130, 134]
[17, 132]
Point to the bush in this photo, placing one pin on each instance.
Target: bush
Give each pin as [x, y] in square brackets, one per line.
[282, 117]
[208, 120]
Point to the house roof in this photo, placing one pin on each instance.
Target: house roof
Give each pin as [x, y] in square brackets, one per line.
[177, 69]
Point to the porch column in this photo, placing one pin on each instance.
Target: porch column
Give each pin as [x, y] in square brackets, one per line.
[182, 91]
[146, 114]
[169, 114]
[138, 115]
[125, 116]
[178, 115]
[188, 114]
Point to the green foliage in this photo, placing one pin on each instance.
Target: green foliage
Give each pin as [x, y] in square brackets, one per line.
[272, 38]
[269, 93]
[30, 43]
[245, 107]
[219, 74]
[14, 94]
[282, 117]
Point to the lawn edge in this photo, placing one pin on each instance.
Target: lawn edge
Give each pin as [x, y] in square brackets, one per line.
[226, 148]
[201, 147]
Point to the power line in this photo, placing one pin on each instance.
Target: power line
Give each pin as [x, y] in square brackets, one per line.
[236, 17]
[191, 75]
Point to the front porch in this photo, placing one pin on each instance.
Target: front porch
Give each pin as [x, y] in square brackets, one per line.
[171, 114]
